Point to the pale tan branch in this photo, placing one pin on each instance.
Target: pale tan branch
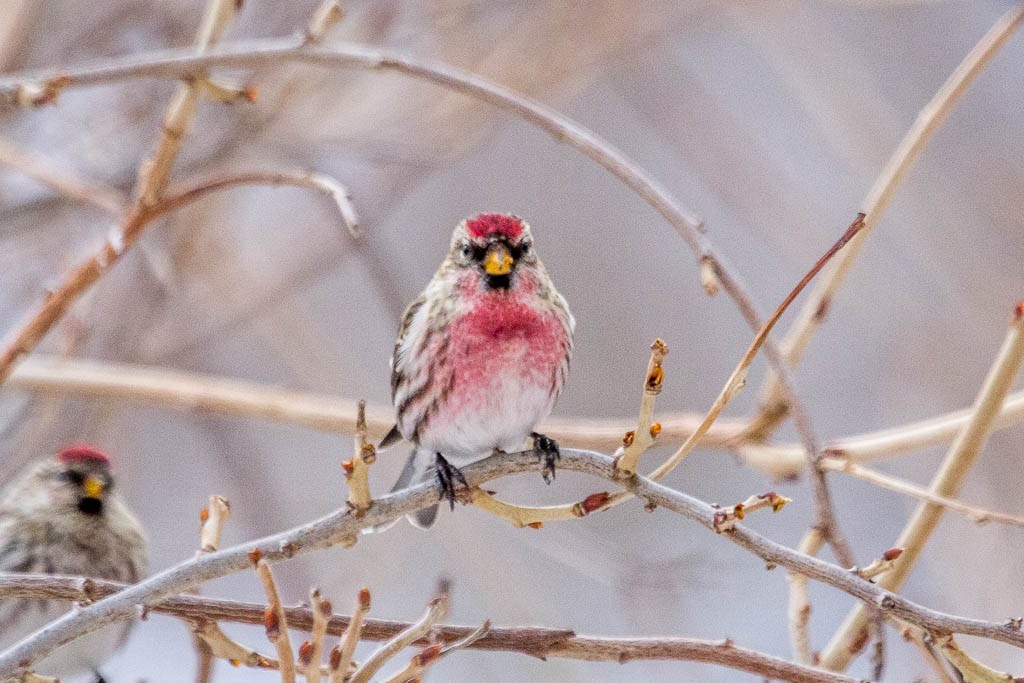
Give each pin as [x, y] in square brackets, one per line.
[213, 518]
[105, 198]
[321, 609]
[947, 482]
[436, 611]
[879, 565]
[357, 470]
[322, 412]
[468, 641]
[275, 620]
[971, 669]
[155, 171]
[917, 638]
[329, 13]
[786, 460]
[341, 663]
[812, 315]
[976, 514]
[223, 647]
[418, 665]
[643, 437]
[799, 600]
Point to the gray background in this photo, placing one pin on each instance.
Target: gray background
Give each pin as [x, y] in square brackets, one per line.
[770, 120]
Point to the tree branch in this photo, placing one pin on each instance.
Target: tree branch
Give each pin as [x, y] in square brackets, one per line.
[929, 120]
[947, 482]
[343, 525]
[537, 642]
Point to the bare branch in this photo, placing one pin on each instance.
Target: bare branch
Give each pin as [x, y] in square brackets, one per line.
[647, 430]
[275, 621]
[976, 514]
[436, 611]
[800, 602]
[321, 609]
[929, 120]
[947, 482]
[121, 238]
[322, 412]
[105, 198]
[971, 669]
[343, 524]
[213, 518]
[341, 664]
[357, 470]
[539, 642]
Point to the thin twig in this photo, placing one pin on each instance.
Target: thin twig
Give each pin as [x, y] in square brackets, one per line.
[209, 639]
[727, 517]
[947, 482]
[978, 515]
[79, 279]
[329, 413]
[929, 120]
[105, 198]
[212, 520]
[341, 664]
[275, 620]
[343, 524]
[322, 412]
[223, 647]
[357, 470]
[800, 602]
[970, 668]
[643, 437]
[436, 611]
[321, 608]
[418, 665]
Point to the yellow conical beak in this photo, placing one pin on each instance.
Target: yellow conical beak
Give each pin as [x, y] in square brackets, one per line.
[497, 261]
[93, 487]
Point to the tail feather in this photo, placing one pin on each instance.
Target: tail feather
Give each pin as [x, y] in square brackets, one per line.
[417, 470]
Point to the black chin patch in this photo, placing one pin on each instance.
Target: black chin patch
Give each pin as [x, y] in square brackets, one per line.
[498, 281]
[90, 506]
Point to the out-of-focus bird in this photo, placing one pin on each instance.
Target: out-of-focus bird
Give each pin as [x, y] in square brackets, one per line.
[481, 356]
[63, 517]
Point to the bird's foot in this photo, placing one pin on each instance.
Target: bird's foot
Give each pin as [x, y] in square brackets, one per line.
[99, 677]
[546, 450]
[450, 478]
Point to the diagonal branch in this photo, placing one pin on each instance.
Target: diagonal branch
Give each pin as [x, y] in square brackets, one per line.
[105, 198]
[947, 482]
[929, 120]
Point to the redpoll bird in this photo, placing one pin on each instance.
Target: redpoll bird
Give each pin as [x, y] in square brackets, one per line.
[481, 356]
[62, 517]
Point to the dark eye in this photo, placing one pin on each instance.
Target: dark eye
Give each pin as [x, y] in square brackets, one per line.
[466, 249]
[525, 247]
[76, 478]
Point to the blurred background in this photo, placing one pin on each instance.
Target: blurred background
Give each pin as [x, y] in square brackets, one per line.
[769, 120]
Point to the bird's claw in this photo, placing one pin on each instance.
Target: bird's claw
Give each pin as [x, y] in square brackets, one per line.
[450, 477]
[546, 450]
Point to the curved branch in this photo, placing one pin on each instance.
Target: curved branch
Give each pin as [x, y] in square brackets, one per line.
[343, 526]
[121, 238]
